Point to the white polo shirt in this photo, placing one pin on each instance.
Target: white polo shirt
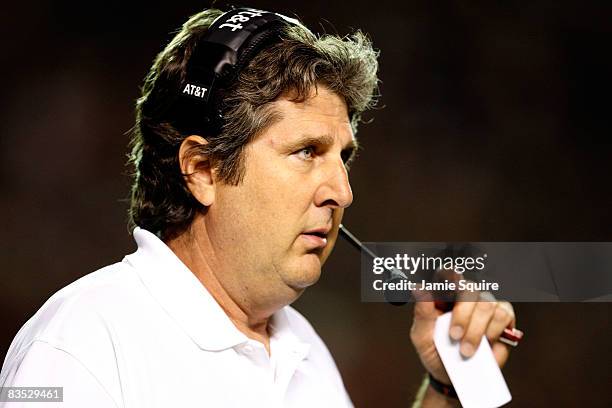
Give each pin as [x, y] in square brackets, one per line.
[145, 332]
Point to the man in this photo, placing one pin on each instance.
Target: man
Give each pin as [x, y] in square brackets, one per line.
[240, 186]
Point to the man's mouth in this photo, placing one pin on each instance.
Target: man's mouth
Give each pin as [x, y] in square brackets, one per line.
[316, 238]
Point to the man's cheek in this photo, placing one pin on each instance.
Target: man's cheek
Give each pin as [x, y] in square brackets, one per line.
[337, 218]
[331, 242]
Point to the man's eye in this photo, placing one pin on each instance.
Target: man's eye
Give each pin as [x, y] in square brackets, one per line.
[306, 153]
[348, 157]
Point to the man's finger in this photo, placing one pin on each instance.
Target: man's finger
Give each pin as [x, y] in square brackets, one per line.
[425, 315]
[462, 312]
[479, 321]
[502, 318]
[501, 352]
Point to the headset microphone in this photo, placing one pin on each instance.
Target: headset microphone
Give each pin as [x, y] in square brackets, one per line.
[393, 275]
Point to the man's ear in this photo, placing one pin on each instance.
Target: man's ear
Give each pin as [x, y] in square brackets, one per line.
[197, 169]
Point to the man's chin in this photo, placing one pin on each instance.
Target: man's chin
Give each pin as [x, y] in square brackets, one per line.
[306, 274]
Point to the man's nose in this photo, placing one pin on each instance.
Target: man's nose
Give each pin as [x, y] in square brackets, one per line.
[335, 189]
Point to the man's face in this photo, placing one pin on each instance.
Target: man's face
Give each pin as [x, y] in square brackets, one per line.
[279, 225]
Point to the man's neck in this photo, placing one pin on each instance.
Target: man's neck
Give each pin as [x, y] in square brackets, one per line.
[200, 260]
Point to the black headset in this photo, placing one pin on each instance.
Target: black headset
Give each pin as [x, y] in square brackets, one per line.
[228, 45]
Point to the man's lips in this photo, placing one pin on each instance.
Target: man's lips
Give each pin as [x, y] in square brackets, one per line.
[316, 237]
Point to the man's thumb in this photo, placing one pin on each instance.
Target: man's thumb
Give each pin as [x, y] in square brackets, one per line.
[425, 315]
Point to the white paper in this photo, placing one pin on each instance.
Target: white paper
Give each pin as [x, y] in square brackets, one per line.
[478, 380]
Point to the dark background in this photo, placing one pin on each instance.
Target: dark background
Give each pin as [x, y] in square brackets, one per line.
[494, 126]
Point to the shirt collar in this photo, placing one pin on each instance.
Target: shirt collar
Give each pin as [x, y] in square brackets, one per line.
[188, 302]
[182, 295]
[283, 334]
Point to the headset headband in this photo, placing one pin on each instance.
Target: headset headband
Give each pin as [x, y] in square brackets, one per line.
[228, 45]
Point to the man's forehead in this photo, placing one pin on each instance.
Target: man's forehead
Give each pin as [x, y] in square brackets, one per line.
[324, 120]
[319, 101]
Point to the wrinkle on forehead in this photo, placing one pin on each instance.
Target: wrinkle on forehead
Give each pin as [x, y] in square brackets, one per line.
[324, 113]
[319, 94]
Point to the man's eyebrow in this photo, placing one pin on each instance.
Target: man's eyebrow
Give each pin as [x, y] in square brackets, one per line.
[322, 140]
[310, 140]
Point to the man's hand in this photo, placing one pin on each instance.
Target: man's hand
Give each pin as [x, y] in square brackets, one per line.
[470, 321]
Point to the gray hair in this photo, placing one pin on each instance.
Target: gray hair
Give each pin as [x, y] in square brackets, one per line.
[160, 200]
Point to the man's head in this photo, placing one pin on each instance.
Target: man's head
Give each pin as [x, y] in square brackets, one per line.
[274, 177]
